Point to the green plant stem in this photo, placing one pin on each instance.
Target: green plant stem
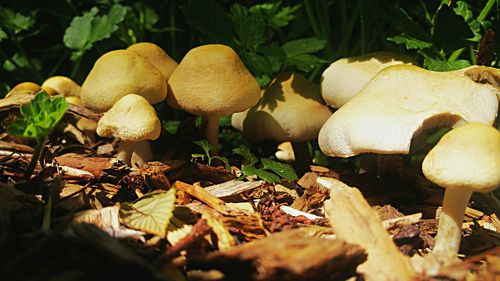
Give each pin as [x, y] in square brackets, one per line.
[35, 157]
[486, 10]
[47, 213]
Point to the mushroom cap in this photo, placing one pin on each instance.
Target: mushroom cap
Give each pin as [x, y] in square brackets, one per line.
[119, 73]
[398, 103]
[24, 88]
[74, 100]
[344, 78]
[61, 85]
[212, 80]
[466, 157]
[132, 119]
[291, 109]
[156, 56]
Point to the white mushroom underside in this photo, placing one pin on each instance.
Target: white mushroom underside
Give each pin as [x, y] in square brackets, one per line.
[397, 103]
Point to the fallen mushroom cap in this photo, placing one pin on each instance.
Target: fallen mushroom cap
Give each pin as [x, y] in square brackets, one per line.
[291, 109]
[131, 119]
[61, 85]
[119, 73]
[212, 80]
[344, 78]
[156, 56]
[466, 157]
[398, 103]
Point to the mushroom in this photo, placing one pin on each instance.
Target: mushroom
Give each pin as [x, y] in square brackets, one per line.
[61, 85]
[119, 73]
[212, 81]
[466, 159]
[344, 78]
[398, 103]
[132, 119]
[156, 56]
[291, 109]
[29, 88]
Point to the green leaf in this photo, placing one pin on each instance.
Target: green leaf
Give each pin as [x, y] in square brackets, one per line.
[273, 15]
[285, 171]
[304, 46]
[410, 42]
[39, 117]
[171, 126]
[15, 22]
[250, 30]
[443, 65]
[246, 154]
[104, 26]
[17, 61]
[305, 62]
[3, 35]
[77, 35]
[209, 18]
[248, 170]
[224, 160]
[205, 145]
[463, 9]
[267, 176]
[151, 213]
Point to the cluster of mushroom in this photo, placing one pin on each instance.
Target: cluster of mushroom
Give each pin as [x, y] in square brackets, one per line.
[396, 103]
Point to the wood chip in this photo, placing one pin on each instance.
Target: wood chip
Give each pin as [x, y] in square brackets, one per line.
[355, 221]
[233, 187]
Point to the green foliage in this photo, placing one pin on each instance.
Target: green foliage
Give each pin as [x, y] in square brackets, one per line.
[207, 148]
[443, 36]
[256, 34]
[90, 28]
[268, 170]
[39, 117]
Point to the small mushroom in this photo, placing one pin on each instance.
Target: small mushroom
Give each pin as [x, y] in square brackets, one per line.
[398, 103]
[212, 81]
[156, 56]
[61, 85]
[466, 159]
[344, 78]
[291, 109]
[119, 73]
[29, 88]
[132, 119]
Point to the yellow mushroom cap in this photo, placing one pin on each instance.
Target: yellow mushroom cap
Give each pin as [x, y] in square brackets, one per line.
[466, 157]
[398, 103]
[132, 119]
[291, 109]
[212, 80]
[61, 85]
[24, 88]
[119, 73]
[156, 56]
[344, 78]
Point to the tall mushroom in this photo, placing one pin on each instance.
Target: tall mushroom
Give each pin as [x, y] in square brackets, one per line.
[344, 78]
[291, 109]
[119, 73]
[132, 119]
[156, 56]
[466, 159]
[398, 103]
[212, 81]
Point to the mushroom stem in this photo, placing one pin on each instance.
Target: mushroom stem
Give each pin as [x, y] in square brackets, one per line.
[210, 128]
[125, 149]
[142, 154]
[450, 225]
[302, 157]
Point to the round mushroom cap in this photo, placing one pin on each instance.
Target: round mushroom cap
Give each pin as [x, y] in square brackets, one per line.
[61, 85]
[24, 88]
[291, 109]
[119, 73]
[398, 103]
[344, 78]
[212, 80]
[466, 157]
[156, 56]
[132, 119]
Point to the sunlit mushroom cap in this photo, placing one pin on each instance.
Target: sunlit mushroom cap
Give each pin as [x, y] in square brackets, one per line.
[398, 103]
[24, 88]
[61, 85]
[344, 78]
[467, 156]
[156, 56]
[291, 109]
[119, 73]
[132, 118]
[212, 80]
